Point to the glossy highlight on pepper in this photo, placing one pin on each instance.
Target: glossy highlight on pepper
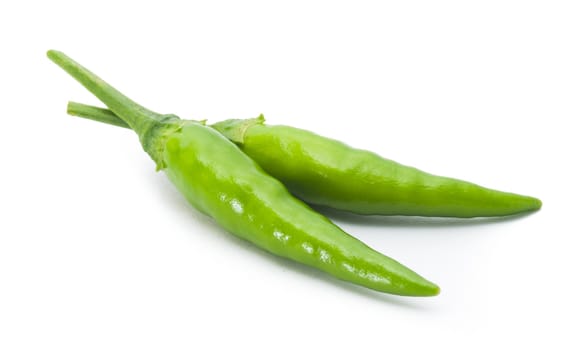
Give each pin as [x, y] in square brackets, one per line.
[227, 185]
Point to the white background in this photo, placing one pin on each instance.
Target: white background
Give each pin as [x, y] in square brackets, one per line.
[97, 251]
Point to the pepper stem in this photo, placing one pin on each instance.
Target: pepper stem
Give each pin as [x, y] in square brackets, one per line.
[98, 114]
[143, 121]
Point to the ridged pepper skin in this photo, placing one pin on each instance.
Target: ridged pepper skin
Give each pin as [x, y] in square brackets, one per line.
[327, 172]
[227, 185]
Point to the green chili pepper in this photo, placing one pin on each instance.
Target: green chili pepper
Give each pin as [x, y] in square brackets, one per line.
[327, 172]
[224, 183]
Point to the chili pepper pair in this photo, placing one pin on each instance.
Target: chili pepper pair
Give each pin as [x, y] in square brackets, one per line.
[244, 174]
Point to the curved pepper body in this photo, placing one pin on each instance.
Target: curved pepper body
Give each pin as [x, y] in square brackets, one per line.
[224, 183]
[327, 172]
[227, 185]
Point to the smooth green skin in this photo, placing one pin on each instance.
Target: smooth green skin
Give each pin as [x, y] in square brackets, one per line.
[224, 183]
[227, 185]
[327, 172]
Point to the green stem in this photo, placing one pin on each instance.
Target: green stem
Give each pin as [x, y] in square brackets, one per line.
[102, 115]
[149, 126]
[140, 119]
[233, 129]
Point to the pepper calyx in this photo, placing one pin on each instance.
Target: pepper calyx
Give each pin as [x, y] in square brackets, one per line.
[235, 129]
